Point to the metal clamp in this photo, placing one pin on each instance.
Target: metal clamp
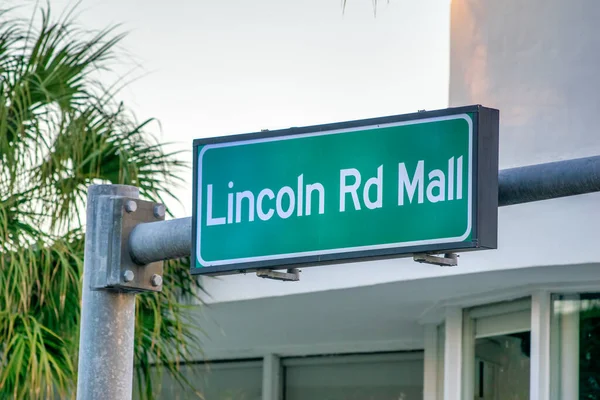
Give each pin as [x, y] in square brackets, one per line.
[292, 274]
[448, 260]
[121, 272]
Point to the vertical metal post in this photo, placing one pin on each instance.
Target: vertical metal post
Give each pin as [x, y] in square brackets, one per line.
[431, 362]
[107, 317]
[453, 354]
[540, 360]
[569, 348]
[272, 388]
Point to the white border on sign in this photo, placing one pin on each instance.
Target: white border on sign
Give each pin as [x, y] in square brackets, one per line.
[342, 249]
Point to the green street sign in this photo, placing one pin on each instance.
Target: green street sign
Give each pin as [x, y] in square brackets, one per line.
[376, 188]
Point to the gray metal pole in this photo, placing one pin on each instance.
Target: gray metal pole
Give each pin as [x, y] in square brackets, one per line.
[107, 318]
[162, 240]
[172, 239]
[548, 181]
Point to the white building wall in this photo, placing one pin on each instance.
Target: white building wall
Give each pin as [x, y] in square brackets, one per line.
[536, 61]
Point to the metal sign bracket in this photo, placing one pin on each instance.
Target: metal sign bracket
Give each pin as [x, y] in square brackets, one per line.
[291, 275]
[120, 273]
[447, 260]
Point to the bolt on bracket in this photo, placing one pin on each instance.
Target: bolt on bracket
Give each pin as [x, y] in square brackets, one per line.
[448, 260]
[121, 273]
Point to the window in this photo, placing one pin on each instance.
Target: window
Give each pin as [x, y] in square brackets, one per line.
[216, 381]
[374, 377]
[497, 351]
[575, 346]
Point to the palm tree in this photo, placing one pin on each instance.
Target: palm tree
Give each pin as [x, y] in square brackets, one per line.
[61, 130]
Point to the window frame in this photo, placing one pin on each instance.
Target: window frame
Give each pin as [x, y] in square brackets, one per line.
[489, 314]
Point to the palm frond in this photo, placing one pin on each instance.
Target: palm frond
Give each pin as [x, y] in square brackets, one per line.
[60, 131]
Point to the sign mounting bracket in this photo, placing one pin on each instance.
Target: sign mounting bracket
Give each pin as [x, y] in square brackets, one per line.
[447, 260]
[291, 275]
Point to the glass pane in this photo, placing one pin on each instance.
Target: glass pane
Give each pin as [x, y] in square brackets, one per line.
[219, 381]
[575, 345]
[330, 378]
[502, 366]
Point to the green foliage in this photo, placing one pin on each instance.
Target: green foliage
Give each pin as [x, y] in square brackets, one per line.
[61, 130]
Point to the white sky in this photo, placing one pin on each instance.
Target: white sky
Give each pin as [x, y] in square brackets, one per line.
[218, 67]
